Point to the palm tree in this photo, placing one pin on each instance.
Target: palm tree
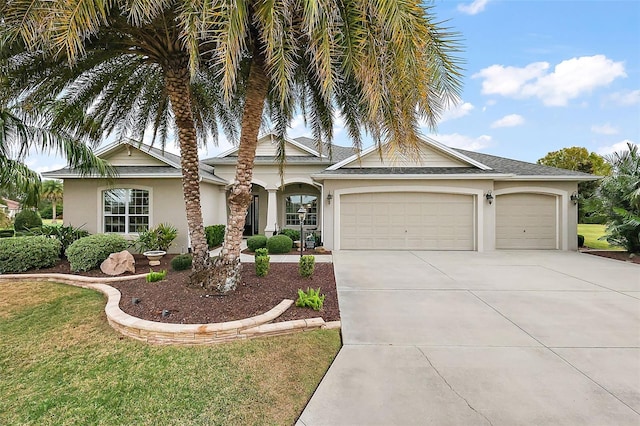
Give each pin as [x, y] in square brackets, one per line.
[52, 191]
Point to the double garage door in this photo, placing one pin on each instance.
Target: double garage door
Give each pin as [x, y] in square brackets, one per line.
[407, 221]
[434, 221]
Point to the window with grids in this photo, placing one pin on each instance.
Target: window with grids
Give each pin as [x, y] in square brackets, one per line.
[126, 211]
[293, 203]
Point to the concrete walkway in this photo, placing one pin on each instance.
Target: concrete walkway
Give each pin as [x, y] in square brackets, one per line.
[500, 338]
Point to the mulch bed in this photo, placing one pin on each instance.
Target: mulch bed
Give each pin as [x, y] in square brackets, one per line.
[294, 252]
[188, 305]
[611, 254]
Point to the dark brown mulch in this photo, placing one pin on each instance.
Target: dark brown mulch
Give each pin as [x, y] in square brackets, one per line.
[295, 251]
[618, 255]
[187, 305]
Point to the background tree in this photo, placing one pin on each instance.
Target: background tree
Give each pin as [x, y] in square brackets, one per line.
[52, 191]
[579, 159]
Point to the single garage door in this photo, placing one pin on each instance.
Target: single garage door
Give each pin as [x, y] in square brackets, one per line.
[526, 221]
[407, 221]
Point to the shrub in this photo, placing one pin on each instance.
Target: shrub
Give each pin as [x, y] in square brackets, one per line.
[291, 233]
[89, 252]
[580, 240]
[181, 262]
[279, 244]
[262, 266]
[152, 277]
[24, 253]
[306, 266]
[158, 238]
[310, 299]
[65, 234]
[256, 242]
[215, 234]
[6, 233]
[27, 219]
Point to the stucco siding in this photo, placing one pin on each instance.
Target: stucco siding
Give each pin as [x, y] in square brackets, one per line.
[130, 156]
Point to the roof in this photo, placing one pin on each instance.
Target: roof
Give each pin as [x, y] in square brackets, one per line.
[10, 204]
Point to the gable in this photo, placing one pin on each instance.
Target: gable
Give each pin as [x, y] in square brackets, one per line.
[268, 147]
[426, 156]
[127, 155]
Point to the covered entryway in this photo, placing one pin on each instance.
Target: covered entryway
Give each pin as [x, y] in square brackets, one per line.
[526, 221]
[407, 221]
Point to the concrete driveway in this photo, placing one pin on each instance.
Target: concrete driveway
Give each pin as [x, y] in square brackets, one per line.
[500, 338]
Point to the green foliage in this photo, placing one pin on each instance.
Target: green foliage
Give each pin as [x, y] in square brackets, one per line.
[256, 242]
[310, 299]
[279, 244]
[215, 235]
[27, 219]
[5, 220]
[153, 277]
[6, 233]
[89, 252]
[46, 210]
[262, 265]
[65, 234]
[158, 238]
[580, 240]
[306, 266]
[261, 252]
[291, 233]
[181, 262]
[24, 253]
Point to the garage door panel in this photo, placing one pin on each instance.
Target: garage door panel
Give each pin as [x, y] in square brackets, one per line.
[526, 221]
[405, 220]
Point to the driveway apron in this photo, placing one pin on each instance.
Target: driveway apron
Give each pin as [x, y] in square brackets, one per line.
[496, 338]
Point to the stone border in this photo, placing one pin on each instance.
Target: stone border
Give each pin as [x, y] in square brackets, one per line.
[184, 334]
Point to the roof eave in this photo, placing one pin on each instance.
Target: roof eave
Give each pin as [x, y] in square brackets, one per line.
[340, 176]
[552, 178]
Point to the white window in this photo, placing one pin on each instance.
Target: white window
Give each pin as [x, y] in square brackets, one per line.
[126, 211]
[293, 203]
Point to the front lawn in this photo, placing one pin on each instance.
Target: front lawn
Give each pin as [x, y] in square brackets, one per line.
[62, 363]
[591, 234]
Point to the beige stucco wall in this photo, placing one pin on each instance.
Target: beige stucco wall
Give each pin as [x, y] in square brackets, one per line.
[82, 204]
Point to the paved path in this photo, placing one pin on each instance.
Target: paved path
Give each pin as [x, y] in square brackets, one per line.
[500, 338]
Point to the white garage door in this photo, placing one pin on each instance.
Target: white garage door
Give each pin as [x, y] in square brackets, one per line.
[407, 221]
[526, 221]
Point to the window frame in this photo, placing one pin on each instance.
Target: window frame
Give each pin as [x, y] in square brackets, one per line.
[293, 216]
[102, 215]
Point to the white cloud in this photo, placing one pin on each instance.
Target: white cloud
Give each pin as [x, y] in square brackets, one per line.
[456, 140]
[510, 120]
[473, 8]
[631, 97]
[605, 129]
[616, 147]
[48, 168]
[568, 80]
[459, 110]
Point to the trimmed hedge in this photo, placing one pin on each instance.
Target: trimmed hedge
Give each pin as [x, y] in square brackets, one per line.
[27, 219]
[215, 234]
[181, 262]
[256, 242]
[580, 240]
[279, 244]
[306, 266]
[291, 233]
[7, 233]
[19, 254]
[262, 265]
[89, 252]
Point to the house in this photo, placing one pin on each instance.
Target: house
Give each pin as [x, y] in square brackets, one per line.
[9, 207]
[441, 199]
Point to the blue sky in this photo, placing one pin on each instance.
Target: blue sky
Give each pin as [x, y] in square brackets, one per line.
[539, 76]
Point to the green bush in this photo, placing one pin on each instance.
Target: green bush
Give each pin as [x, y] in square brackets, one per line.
[262, 266]
[158, 238]
[152, 277]
[256, 242]
[27, 219]
[306, 266]
[6, 233]
[24, 253]
[65, 234]
[580, 240]
[310, 299]
[261, 252]
[291, 233]
[215, 235]
[279, 244]
[181, 262]
[89, 252]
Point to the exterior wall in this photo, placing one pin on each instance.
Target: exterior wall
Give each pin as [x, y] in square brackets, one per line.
[83, 204]
[132, 157]
[427, 158]
[210, 199]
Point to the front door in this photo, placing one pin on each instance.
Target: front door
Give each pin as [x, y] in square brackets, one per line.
[251, 222]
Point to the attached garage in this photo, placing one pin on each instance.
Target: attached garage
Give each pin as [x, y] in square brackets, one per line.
[407, 221]
[526, 221]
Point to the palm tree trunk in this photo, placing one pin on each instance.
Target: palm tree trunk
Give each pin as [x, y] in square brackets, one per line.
[53, 208]
[226, 272]
[177, 82]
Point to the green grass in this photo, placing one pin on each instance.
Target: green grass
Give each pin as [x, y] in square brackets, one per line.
[61, 363]
[592, 233]
[48, 222]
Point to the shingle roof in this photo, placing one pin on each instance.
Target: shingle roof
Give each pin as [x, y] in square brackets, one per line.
[137, 171]
[410, 171]
[338, 152]
[301, 159]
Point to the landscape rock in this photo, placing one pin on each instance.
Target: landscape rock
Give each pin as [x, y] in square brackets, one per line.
[119, 263]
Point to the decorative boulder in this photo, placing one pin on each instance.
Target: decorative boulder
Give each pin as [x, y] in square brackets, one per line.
[119, 263]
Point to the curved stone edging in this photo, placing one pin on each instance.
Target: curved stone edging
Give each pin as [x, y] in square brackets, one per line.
[185, 334]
